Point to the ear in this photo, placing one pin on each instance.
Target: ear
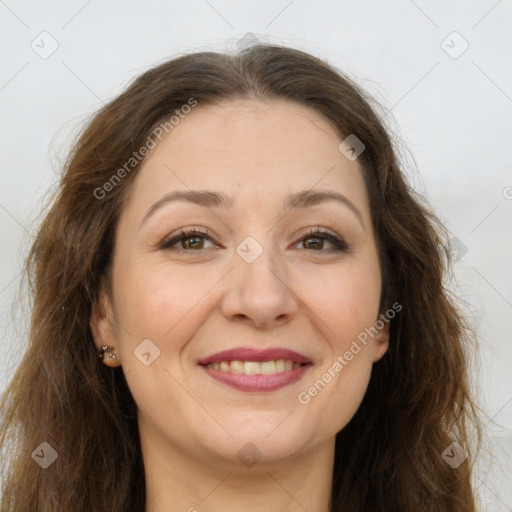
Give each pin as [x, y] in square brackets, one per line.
[381, 342]
[101, 322]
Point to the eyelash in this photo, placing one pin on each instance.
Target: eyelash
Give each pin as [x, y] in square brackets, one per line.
[339, 244]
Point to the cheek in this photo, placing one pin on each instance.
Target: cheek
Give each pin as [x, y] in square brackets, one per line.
[155, 302]
[350, 301]
[348, 308]
[161, 306]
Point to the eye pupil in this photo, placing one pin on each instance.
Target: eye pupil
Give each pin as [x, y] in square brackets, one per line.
[187, 244]
[318, 242]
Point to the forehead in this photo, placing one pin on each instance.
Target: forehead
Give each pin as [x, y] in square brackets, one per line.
[249, 148]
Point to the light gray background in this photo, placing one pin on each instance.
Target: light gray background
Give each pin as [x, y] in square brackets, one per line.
[452, 111]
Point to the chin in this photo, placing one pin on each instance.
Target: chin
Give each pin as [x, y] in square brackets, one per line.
[258, 438]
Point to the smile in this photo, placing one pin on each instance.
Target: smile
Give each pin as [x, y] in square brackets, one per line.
[253, 370]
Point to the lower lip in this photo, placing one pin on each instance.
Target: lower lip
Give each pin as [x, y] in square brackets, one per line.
[258, 383]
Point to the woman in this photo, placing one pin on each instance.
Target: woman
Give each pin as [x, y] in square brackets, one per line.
[238, 304]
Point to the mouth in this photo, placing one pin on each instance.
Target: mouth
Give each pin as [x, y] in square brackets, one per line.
[255, 370]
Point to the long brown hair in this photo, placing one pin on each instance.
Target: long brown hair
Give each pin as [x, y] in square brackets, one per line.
[389, 456]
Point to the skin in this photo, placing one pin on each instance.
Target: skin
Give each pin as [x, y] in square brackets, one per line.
[191, 304]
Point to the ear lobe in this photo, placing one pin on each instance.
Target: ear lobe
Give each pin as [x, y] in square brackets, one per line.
[100, 322]
[381, 343]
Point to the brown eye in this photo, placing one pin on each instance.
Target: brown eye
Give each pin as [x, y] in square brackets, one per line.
[316, 240]
[190, 240]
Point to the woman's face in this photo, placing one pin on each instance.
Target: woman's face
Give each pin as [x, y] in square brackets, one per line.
[230, 338]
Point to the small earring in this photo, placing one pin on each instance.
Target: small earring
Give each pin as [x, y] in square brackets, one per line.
[106, 348]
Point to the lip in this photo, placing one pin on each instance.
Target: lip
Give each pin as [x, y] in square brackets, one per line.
[251, 354]
[256, 383]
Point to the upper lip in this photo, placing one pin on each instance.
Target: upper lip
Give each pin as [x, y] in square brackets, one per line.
[257, 355]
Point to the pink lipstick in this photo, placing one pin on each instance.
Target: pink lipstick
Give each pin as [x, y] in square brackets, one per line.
[252, 370]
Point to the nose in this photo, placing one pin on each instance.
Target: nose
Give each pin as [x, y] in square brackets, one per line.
[260, 293]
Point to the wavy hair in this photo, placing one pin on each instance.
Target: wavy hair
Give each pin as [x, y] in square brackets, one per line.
[419, 399]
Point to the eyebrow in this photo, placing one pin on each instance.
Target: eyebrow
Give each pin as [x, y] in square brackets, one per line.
[212, 199]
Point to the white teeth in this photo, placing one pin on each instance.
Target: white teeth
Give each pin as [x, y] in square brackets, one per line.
[237, 367]
[254, 367]
[268, 367]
